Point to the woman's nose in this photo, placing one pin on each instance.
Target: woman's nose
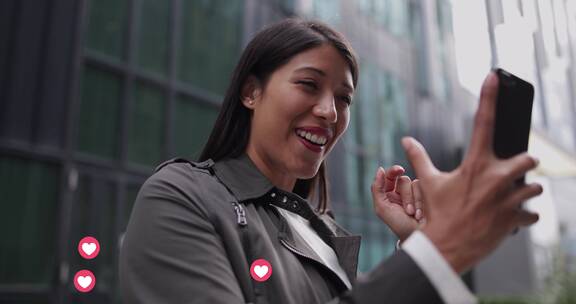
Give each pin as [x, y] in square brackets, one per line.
[326, 109]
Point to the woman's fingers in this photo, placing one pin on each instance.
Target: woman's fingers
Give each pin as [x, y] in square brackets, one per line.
[404, 188]
[378, 184]
[418, 203]
[385, 180]
[392, 175]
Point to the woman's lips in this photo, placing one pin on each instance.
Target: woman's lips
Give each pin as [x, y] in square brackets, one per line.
[316, 137]
[312, 147]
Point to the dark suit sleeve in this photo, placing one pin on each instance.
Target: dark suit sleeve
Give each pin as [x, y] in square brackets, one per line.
[396, 280]
[171, 252]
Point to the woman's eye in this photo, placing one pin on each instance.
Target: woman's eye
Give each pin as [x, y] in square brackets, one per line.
[346, 99]
[309, 84]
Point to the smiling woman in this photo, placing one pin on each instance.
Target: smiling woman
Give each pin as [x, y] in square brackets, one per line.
[304, 54]
[287, 105]
[249, 222]
[298, 114]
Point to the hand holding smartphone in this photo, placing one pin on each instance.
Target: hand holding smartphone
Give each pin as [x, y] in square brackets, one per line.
[513, 116]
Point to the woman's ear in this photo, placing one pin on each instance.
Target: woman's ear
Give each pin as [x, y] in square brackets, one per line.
[251, 91]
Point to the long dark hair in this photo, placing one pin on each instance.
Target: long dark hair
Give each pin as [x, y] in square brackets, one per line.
[267, 51]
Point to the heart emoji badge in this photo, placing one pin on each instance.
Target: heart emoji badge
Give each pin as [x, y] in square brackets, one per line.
[260, 270]
[88, 247]
[84, 281]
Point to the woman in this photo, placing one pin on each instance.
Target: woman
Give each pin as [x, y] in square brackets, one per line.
[200, 230]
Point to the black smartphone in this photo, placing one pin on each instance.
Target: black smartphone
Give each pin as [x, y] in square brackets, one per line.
[513, 115]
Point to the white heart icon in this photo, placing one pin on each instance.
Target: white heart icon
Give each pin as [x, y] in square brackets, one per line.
[260, 271]
[84, 281]
[89, 248]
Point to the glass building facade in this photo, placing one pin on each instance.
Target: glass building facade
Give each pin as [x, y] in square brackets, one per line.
[95, 93]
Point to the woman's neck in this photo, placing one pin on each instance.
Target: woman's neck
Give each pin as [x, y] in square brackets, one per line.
[277, 176]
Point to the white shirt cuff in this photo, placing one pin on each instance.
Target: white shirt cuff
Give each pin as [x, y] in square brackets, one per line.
[446, 281]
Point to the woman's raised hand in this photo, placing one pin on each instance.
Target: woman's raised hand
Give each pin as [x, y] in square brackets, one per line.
[398, 201]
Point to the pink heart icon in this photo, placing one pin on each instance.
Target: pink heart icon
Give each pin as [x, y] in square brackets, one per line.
[260, 270]
[88, 247]
[84, 281]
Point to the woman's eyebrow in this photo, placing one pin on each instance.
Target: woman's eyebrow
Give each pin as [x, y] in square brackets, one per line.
[312, 69]
[323, 74]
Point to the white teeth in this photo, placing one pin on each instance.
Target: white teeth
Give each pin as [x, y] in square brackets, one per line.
[317, 139]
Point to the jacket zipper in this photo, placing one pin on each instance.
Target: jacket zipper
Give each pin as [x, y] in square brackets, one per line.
[240, 214]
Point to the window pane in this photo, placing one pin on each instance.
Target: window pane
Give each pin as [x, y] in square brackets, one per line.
[98, 119]
[371, 164]
[153, 35]
[353, 180]
[28, 225]
[288, 5]
[94, 214]
[107, 26]
[192, 126]
[381, 12]
[211, 37]
[394, 117]
[146, 132]
[418, 36]
[365, 7]
[398, 13]
[327, 10]
[353, 135]
[384, 240]
[443, 18]
[369, 105]
[385, 93]
[379, 242]
[376, 253]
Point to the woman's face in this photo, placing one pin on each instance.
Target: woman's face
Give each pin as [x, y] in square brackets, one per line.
[299, 115]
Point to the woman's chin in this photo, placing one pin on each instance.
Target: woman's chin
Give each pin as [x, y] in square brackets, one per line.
[304, 166]
[308, 172]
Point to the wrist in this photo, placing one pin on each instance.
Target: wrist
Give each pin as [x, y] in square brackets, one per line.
[403, 234]
[450, 249]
